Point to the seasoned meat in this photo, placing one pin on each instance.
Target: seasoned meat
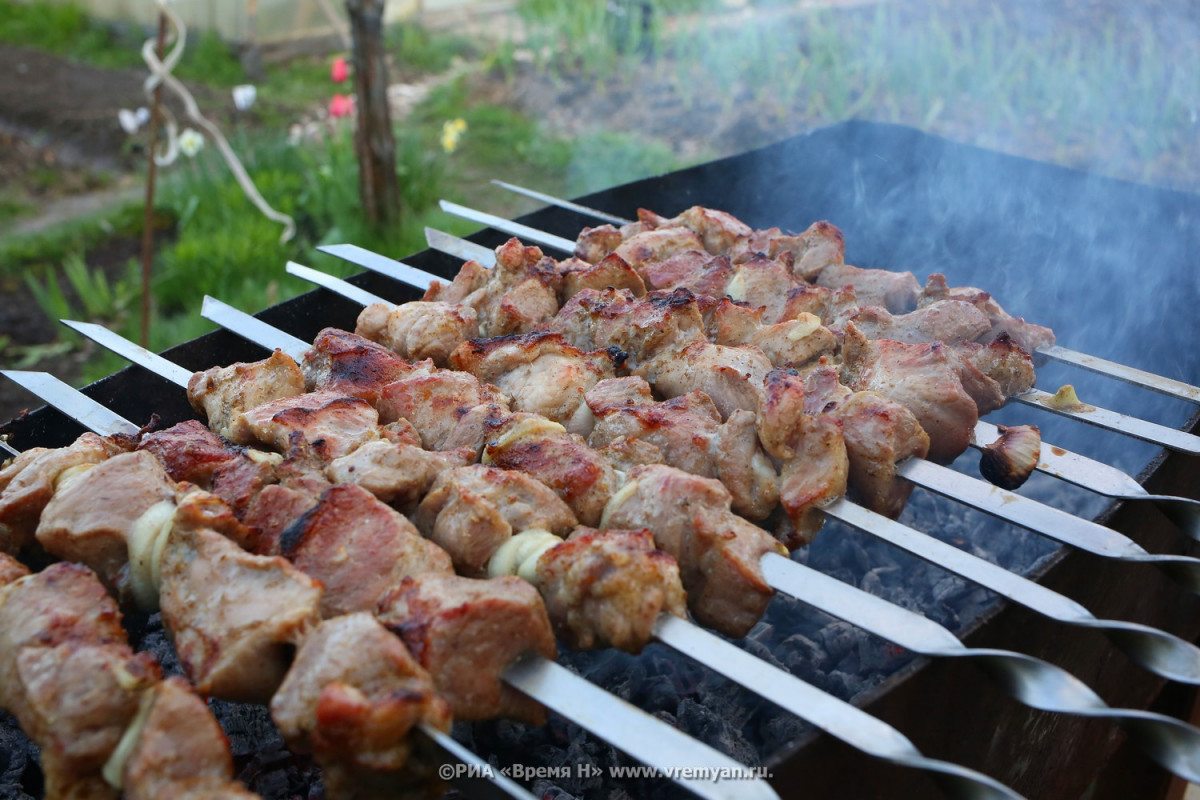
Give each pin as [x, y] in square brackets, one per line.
[819, 247]
[583, 478]
[471, 277]
[727, 321]
[540, 372]
[640, 327]
[331, 423]
[656, 245]
[1002, 360]
[766, 283]
[949, 321]
[350, 364]
[794, 342]
[718, 552]
[594, 244]
[695, 270]
[688, 433]
[91, 515]
[11, 570]
[1027, 335]
[222, 394]
[614, 394]
[239, 481]
[466, 632]
[233, 617]
[731, 376]
[68, 675]
[35, 478]
[470, 511]
[436, 403]
[180, 750]
[812, 453]
[397, 474]
[610, 272]
[607, 588]
[358, 548]
[514, 297]
[895, 291]
[718, 230]
[190, 452]
[353, 695]
[273, 510]
[924, 378]
[423, 329]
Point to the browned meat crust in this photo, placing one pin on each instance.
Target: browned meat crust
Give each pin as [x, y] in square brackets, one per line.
[466, 632]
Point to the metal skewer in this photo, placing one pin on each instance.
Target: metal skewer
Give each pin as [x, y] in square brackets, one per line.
[623, 725]
[1111, 420]
[1112, 369]
[1032, 681]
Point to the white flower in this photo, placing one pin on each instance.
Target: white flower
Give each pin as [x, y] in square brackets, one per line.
[142, 115]
[244, 95]
[191, 142]
[129, 121]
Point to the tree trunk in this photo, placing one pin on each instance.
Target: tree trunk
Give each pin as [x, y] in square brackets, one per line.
[374, 143]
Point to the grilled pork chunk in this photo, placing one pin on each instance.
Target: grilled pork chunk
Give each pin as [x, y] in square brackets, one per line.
[819, 247]
[949, 321]
[398, 474]
[731, 376]
[924, 378]
[1002, 360]
[352, 697]
[190, 452]
[609, 272]
[419, 330]
[234, 617]
[471, 511]
[11, 570]
[222, 394]
[343, 362]
[657, 245]
[90, 517]
[466, 632]
[583, 478]
[687, 433]
[895, 291]
[180, 750]
[717, 551]
[540, 372]
[640, 327]
[607, 588]
[68, 674]
[436, 403]
[357, 548]
[33, 478]
[1027, 335]
[331, 423]
[695, 270]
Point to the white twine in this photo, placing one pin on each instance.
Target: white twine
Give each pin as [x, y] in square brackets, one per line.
[160, 73]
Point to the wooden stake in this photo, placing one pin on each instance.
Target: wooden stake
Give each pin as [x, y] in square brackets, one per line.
[151, 174]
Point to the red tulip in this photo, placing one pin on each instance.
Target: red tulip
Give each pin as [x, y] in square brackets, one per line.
[342, 105]
[339, 72]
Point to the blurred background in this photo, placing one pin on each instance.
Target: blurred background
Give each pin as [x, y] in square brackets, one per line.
[564, 97]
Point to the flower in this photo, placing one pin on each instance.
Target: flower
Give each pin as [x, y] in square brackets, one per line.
[244, 96]
[452, 131]
[128, 120]
[339, 71]
[191, 142]
[342, 105]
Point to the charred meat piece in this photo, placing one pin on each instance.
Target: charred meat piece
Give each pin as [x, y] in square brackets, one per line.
[68, 675]
[607, 588]
[190, 452]
[331, 423]
[540, 372]
[180, 750]
[352, 697]
[90, 517]
[350, 364]
[272, 511]
[949, 321]
[471, 511]
[466, 632]
[811, 452]
[695, 270]
[895, 291]
[358, 548]
[514, 297]
[436, 403]
[1010, 460]
[639, 327]
[811, 252]
[234, 617]
[924, 378]
[1027, 335]
[688, 433]
[33, 480]
[579, 475]
[610, 272]
[222, 394]
[727, 321]
[398, 474]
[718, 552]
[419, 330]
